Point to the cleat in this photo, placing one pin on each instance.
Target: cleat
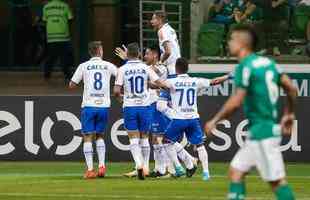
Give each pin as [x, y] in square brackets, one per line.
[101, 171]
[131, 174]
[179, 171]
[205, 176]
[168, 175]
[155, 174]
[140, 174]
[191, 172]
[90, 174]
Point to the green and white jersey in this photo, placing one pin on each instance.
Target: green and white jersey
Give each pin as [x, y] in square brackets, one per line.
[57, 14]
[260, 77]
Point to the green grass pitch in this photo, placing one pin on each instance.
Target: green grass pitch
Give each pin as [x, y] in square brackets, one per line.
[63, 181]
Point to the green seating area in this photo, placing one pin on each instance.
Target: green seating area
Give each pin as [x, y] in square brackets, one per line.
[213, 36]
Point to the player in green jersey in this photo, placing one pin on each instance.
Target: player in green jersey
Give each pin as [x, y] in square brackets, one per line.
[258, 80]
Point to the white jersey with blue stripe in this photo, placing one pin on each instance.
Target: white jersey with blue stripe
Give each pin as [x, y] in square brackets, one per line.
[134, 77]
[184, 95]
[96, 75]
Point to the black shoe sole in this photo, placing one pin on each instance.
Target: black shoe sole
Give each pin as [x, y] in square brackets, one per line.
[190, 172]
[140, 174]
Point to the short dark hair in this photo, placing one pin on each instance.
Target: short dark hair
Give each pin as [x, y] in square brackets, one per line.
[181, 66]
[93, 47]
[154, 49]
[133, 50]
[250, 31]
[161, 14]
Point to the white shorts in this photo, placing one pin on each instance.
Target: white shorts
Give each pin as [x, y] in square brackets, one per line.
[265, 155]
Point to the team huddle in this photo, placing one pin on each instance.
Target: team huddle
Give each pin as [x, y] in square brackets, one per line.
[160, 101]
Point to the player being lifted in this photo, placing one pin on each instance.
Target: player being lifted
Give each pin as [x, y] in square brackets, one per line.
[159, 123]
[168, 41]
[96, 75]
[170, 52]
[258, 80]
[184, 114]
[134, 77]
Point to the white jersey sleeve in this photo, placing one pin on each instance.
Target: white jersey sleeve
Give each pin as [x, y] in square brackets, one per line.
[134, 77]
[113, 70]
[168, 34]
[120, 77]
[203, 83]
[96, 75]
[184, 95]
[152, 75]
[78, 75]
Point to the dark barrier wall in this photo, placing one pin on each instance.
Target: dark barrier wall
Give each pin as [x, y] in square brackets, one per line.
[48, 128]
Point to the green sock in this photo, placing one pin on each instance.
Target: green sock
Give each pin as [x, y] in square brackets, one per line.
[284, 192]
[236, 191]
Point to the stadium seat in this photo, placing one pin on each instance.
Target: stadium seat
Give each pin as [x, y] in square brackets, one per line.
[210, 39]
[300, 19]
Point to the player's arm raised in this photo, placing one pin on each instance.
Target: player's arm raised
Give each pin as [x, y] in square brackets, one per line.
[289, 110]
[221, 79]
[121, 52]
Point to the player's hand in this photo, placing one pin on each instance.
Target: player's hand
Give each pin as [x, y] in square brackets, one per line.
[121, 52]
[287, 123]
[209, 126]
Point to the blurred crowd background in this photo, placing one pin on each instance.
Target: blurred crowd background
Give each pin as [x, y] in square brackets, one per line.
[203, 27]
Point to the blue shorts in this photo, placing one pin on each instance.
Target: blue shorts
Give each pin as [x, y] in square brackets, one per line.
[191, 128]
[159, 121]
[94, 120]
[137, 118]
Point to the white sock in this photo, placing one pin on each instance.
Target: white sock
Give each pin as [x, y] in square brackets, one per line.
[172, 153]
[146, 152]
[100, 145]
[156, 156]
[203, 157]
[88, 153]
[168, 163]
[160, 161]
[136, 152]
[184, 156]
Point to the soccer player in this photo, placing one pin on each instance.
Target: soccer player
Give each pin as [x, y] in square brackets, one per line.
[159, 124]
[134, 77]
[184, 115]
[96, 74]
[258, 80]
[168, 41]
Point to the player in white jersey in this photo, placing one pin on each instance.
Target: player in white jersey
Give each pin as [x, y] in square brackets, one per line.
[134, 77]
[184, 114]
[158, 125]
[96, 75]
[168, 41]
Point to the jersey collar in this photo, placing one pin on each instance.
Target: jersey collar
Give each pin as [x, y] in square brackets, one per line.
[247, 57]
[134, 61]
[166, 24]
[95, 58]
[183, 75]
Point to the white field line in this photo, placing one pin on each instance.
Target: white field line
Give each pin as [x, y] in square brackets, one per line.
[110, 175]
[103, 196]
